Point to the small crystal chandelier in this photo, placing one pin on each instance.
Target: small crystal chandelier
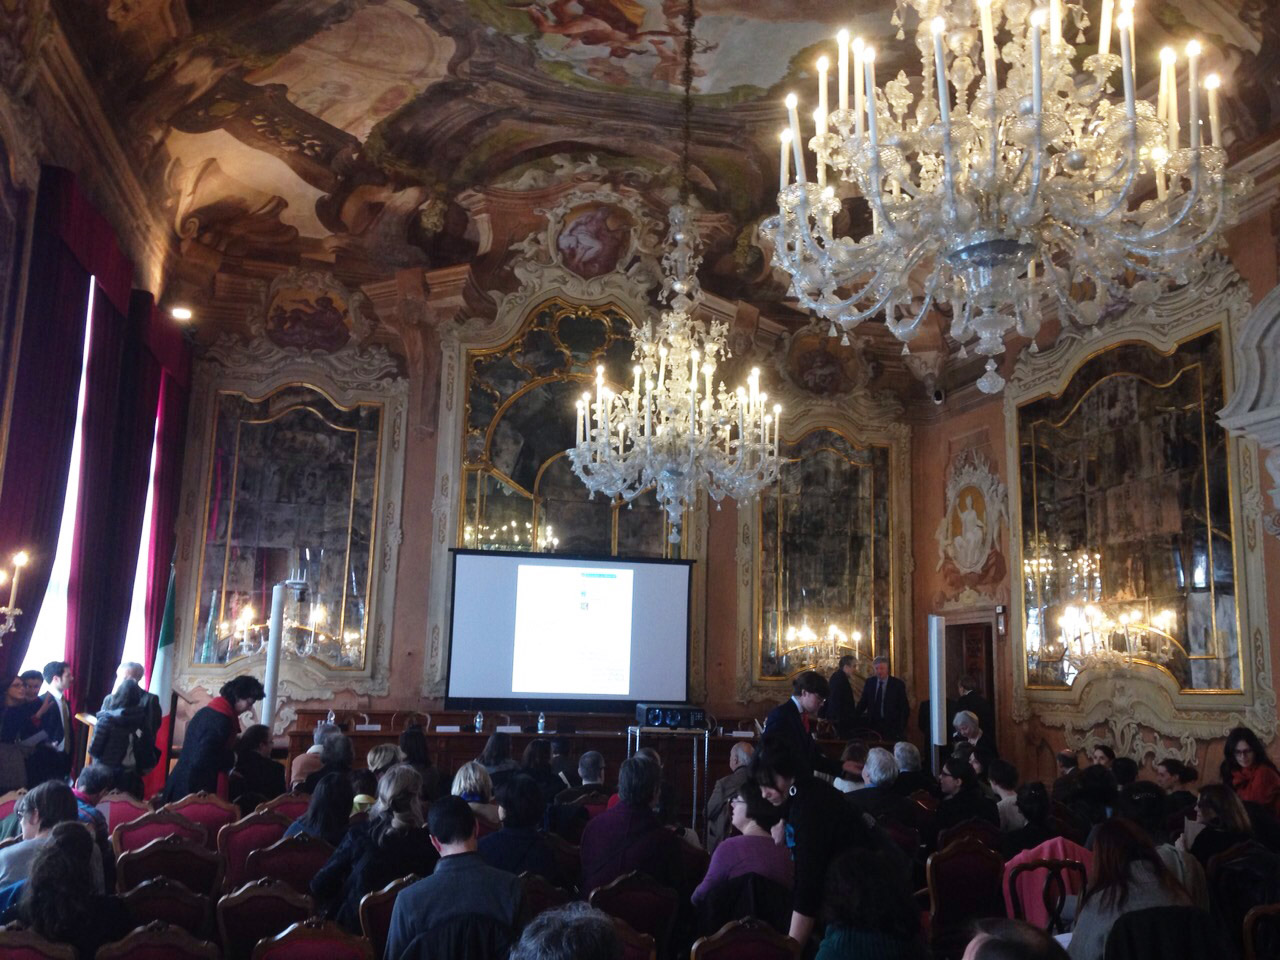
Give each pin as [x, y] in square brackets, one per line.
[1005, 187]
[674, 432]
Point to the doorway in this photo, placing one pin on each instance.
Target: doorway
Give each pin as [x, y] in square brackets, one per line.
[969, 651]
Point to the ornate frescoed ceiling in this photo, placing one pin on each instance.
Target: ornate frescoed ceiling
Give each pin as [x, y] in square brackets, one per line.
[347, 130]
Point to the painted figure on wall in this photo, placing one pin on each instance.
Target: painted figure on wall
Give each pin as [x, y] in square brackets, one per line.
[593, 240]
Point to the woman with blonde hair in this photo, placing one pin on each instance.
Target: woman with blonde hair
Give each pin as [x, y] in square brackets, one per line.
[383, 757]
[473, 784]
[392, 843]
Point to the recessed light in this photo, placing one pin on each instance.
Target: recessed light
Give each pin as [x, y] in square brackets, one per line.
[181, 313]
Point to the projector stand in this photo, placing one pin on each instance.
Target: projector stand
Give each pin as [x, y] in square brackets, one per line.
[634, 734]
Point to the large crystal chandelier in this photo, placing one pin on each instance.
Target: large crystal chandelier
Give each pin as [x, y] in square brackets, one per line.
[675, 432]
[1008, 185]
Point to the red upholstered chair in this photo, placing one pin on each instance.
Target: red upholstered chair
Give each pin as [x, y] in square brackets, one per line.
[169, 902]
[189, 862]
[568, 860]
[312, 940]
[541, 894]
[1262, 932]
[594, 803]
[152, 826]
[748, 939]
[120, 807]
[207, 809]
[965, 882]
[981, 830]
[926, 799]
[695, 862]
[641, 901]
[291, 805]
[375, 911]
[27, 945]
[295, 860]
[9, 802]
[635, 945]
[159, 941]
[1060, 879]
[256, 911]
[237, 840]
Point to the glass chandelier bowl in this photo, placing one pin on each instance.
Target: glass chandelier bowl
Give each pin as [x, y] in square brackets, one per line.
[1013, 174]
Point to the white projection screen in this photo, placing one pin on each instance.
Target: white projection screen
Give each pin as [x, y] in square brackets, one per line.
[581, 633]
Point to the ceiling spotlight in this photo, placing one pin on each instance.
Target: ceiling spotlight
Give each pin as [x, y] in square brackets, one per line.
[181, 313]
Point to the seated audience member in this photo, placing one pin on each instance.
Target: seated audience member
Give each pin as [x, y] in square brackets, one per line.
[1127, 875]
[1004, 781]
[58, 900]
[413, 744]
[383, 757]
[978, 760]
[207, 755]
[496, 758]
[364, 790]
[1144, 804]
[39, 810]
[305, 764]
[572, 932]
[462, 884]
[878, 797]
[255, 773]
[1224, 820]
[329, 812]
[630, 836]
[1034, 807]
[518, 847]
[94, 781]
[473, 785]
[1248, 770]
[852, 759]
[535, 763]
[1173, 777]
[910, 775]
[968, 730]
[1012, 940]
[719, 809]
[795, 720]
[1067, 785]
[818, 827]
[562, 764]
[1103, 755]
[389, 845]
[870, 910]
[973, 701]
[961, 798]
[1096, 796]
[590, 779]
[337, 755]
[118, 735]
[752, 851]
[1125, 770]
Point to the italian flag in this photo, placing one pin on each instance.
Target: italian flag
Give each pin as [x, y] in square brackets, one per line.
[161, 685]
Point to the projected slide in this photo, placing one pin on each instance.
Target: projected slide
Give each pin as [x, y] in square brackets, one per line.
[573, 631]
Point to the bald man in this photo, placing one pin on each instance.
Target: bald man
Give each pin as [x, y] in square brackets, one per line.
[719, 810]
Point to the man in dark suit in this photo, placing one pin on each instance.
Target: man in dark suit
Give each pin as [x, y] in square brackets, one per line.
[975, 703]
[841, 707]
[884, 702]
[793, 721]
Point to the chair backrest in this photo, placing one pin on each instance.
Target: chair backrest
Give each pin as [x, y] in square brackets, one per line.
[965, 881]
[1061, 879]
[207, 809]
[237, 840]
[189, 862]
[904, 837]
[158, 941]
[151, 826]
[694, 863]
[568, 860]
[291, 805]
[120, 807]
[375, 911]
[1170, 933]
[9, 802]
[748, 939]
[641, 901]
[465, 936]
[925, 799]
[311, 939]
[747, 895]
[982, 830]
[541, 894]
[1068, 823]
[169, 901]
[295, 860]
[1241, 878]
[255, 911]
[635, 945]
[29, 945]
[1262, 932]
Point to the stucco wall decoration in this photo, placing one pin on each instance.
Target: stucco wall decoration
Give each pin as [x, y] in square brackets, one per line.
[968, 536]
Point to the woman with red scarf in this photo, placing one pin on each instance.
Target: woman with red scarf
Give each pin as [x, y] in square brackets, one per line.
[1248, 770]
[207, 749]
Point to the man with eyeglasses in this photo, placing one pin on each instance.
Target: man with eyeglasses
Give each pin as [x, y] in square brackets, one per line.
[795, 720]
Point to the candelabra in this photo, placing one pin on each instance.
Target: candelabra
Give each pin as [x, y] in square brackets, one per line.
[1005, 187]
[825, 648]
[10, 612]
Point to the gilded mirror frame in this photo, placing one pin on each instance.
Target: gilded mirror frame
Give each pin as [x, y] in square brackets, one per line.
[1144, 710]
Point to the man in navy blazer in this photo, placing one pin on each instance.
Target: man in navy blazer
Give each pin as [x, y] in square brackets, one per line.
[793, 721]
[884, 702]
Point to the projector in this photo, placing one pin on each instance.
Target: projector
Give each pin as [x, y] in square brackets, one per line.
[671, 715]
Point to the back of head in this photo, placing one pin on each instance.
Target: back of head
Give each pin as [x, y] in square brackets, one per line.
[1180, 771]
[473, 780]
[573, 932]
[867, 890]
[880, 768]
[1012, 940]
[451, 820]
[126, 694]
[382, 756]
[560, 746]
[855, 751]
[59, 884]
[591, 767]
[740, 753]
[52, 802]
[537, 755]
[1033, 803]
[1144, 803]
[907, 755]
[1098, 785]
[254, 737]
[1003, 774]
[810, 681]
[497, 749]
[1068, 760]
[399, 805]
[521, 801]
[95, 779]
[243, 687]
[775, 759]
[1125, 770]
[413, 744]
[967, 683]
[1222, 806]
[322, 730]
[638, 780]
[1119, 845]
[336, 751]
[330, 805]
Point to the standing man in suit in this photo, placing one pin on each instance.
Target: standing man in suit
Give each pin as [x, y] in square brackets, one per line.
[795, 720]
[975, 703]
[884, 702]
[57, 722]
[841, 707]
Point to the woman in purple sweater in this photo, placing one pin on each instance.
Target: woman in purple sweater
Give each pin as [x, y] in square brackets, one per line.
[754, 851]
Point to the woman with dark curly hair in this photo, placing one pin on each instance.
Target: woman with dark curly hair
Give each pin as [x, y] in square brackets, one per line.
[1248, 770]
[208, 747]
[870, 910]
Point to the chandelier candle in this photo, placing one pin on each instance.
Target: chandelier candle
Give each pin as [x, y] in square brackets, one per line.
[988, 45]
[1193, 92]
[1170, 64]
[1104, 28]
[842, 71]
[1211, 83]
[859, 82]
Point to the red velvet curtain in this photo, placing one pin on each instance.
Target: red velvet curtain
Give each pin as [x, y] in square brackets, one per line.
[171, 423]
